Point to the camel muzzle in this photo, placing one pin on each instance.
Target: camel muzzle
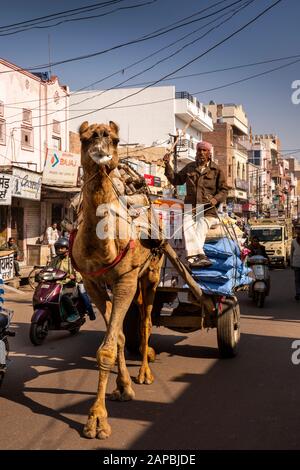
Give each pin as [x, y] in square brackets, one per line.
[99, 156]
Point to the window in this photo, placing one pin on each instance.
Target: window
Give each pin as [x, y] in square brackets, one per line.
[255, 157]
[1, 108]
[229, 171]
[56, 127]
[27, 138]
[2, 132]
[56, 142]
[27, 116]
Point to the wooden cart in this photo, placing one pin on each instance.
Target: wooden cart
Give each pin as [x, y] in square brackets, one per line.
[182, 306]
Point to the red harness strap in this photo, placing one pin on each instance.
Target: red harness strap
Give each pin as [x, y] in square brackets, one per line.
[103, 270]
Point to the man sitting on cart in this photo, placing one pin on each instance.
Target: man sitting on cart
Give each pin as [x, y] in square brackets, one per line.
[206, 188]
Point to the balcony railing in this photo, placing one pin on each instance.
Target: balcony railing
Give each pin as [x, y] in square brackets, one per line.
[184, 95]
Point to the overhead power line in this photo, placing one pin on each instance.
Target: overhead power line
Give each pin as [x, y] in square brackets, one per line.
[62, 13]
[181, 67]
[187, 63]
[118, 46]
[231, 12]
[68, 20]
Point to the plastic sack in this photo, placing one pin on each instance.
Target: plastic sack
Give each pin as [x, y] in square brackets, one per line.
[223, 248]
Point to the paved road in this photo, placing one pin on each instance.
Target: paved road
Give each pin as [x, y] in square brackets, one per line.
[197, 401]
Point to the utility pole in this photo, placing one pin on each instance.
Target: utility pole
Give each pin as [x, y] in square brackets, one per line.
[175, 161]
[257, 193]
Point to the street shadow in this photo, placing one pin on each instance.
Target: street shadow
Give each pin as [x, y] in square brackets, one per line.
[248, 402]
[46, 360]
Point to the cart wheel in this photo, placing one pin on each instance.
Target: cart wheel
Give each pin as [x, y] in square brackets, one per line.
[228, 327]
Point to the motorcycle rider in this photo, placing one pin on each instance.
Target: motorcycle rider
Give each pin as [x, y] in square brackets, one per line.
[63, 262]
[256, 248]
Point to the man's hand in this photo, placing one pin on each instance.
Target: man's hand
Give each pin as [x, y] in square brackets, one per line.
[213, 201]
[72, 276]
[167, 157]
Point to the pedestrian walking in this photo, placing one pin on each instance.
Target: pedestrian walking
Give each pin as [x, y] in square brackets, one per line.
[295, 261]
[52, 235]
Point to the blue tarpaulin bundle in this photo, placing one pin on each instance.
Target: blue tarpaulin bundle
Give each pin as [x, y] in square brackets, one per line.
[1, 293]
[227, 271]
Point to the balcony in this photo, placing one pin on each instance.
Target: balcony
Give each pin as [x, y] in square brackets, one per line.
[187, 107]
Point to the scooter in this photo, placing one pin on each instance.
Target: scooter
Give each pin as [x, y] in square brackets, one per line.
[48, 310]
[5, 320]
[260, 287]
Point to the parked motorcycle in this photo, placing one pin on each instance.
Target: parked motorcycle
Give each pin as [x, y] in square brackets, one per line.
[48, 310]
[5, 320]
[260, 287]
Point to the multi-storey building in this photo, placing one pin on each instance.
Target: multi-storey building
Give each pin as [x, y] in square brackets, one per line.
[33, 134]
[150, 118]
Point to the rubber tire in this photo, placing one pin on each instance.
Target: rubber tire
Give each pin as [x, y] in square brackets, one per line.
[131, 329]
[228, 329]
[34, 335]
[74, 331]
[260, 299]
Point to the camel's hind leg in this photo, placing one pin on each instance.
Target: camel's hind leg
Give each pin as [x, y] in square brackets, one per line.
[148, 284]
[111, 348]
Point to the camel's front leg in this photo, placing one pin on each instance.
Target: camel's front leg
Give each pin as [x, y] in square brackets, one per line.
[123, 293]
[97, 424]
[124, 390]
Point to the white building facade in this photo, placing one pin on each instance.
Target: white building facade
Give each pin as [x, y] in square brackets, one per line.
[147, 118]
[33, 122]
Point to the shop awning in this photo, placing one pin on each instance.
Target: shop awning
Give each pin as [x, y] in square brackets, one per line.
[62, 189]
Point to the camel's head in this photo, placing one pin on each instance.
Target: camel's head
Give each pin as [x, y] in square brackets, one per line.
[99, 144]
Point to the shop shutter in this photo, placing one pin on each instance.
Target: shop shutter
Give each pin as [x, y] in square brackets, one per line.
[32, 221]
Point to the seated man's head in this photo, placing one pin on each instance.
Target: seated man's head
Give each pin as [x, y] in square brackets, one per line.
[62, 247]
[203, 152]
[54, 225]
[11, 241]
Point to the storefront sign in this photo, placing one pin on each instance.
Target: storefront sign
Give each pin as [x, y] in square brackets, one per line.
[61, 168]
[241, 184]
[5, 189]
[149, 180]
[7, 266]
[26, 184]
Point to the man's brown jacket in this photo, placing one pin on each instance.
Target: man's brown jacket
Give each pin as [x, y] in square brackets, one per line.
[200, 186]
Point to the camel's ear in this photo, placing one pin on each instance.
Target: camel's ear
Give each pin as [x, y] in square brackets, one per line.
[114, 127]
[83, 128]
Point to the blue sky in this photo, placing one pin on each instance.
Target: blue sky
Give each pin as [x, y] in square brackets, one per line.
[267, 99]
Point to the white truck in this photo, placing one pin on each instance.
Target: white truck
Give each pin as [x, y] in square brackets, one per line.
[276, 236]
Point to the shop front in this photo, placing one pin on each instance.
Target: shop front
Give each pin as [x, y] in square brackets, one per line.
[21, 214]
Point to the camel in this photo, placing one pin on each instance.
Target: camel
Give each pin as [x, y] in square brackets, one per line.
[134, 277]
